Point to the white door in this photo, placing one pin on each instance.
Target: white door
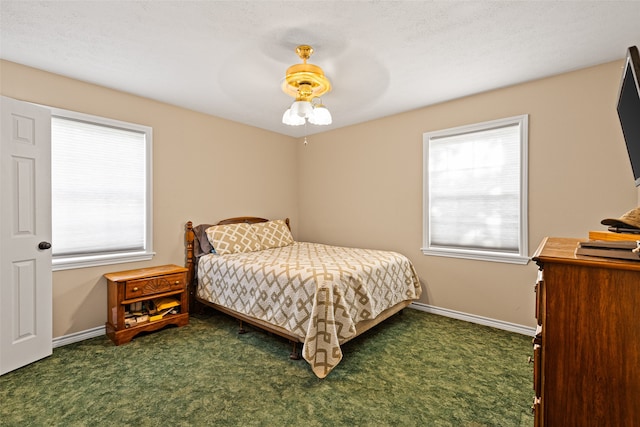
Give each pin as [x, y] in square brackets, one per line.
[25, 234]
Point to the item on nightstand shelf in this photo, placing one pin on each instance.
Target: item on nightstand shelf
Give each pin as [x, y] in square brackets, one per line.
[159, 316]
[166, 302]
[610, 249]
[150, 307]
[136, 308]
[142, 319]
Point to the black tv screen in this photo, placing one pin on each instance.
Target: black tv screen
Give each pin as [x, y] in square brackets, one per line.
[629, 109]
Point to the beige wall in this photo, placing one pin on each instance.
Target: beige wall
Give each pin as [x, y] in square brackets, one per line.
[189, 149]
[362, 185]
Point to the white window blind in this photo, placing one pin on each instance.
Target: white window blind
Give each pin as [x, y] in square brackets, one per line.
[100, 190]
[475, 191]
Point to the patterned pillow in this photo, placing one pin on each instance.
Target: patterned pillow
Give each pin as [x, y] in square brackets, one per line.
[233, 238]
[273, 234]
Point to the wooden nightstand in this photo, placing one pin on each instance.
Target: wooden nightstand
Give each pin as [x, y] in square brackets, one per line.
[131, 296]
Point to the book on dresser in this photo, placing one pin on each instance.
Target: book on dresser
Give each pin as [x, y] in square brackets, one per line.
[620, 249]
[610, 236]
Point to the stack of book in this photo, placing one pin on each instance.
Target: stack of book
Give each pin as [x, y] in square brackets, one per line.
[620, 248]
[150, 310]
[611, 236]
[164, 306]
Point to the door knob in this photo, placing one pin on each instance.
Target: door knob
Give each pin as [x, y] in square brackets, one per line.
[44, 245]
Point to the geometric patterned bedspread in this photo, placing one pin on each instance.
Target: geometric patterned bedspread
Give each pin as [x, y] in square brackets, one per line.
[316, 292]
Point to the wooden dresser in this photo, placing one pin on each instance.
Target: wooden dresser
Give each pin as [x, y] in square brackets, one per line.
[587, 344]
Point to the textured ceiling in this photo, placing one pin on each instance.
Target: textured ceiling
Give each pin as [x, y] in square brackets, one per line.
[228, 58]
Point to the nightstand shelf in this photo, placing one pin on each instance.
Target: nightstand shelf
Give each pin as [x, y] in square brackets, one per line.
[142, 286]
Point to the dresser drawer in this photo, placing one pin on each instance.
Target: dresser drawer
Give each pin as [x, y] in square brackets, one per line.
[154, 285]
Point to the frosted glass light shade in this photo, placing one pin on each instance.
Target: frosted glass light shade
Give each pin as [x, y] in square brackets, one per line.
[288, 118]
[320, 116]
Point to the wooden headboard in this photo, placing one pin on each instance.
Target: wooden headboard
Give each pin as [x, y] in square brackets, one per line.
[190, 238]
[244, 219]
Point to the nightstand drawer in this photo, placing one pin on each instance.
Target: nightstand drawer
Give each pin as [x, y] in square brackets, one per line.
[154, 285]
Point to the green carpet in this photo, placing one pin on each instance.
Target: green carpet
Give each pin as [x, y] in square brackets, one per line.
[414, 369]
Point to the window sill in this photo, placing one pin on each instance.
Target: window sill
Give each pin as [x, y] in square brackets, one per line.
[478, 255]
[69, 263]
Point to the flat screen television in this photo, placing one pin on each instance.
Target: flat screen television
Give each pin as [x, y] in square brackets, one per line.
[629, 109]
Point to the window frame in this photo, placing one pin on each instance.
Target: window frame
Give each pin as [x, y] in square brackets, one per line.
[67, 262]
[522, 256]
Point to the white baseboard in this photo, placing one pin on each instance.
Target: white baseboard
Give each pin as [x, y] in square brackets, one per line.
[486, 321]
[79, 336]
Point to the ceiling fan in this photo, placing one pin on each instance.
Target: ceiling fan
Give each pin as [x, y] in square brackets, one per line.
[306, 83]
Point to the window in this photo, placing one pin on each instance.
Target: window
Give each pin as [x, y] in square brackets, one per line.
[475, 191]
[101, 191]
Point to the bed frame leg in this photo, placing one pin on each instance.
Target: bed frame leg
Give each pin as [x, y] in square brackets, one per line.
[242, 330]
[295, 354]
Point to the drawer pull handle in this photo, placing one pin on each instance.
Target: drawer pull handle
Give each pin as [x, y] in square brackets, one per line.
[536, 401]
[135, 289]
[177, 282]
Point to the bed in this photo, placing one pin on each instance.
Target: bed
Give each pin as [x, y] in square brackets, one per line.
[317, 295]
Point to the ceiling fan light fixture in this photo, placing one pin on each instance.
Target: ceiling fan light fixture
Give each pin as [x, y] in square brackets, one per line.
[305, 82]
